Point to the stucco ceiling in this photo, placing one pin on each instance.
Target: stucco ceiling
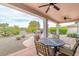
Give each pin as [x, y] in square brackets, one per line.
[70, 10]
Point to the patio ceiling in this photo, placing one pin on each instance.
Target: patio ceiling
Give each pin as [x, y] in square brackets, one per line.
[70, 10]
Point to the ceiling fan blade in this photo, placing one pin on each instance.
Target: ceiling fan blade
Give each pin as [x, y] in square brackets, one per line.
[48, 9]
[57, 8]
[43, 5]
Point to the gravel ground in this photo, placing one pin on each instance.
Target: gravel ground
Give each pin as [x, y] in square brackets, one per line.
[9, 45]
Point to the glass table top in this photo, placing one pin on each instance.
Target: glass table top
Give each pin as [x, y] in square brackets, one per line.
[51, 42]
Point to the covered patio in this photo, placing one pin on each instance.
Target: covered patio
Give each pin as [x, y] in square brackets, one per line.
[67, 13]
[31, 50]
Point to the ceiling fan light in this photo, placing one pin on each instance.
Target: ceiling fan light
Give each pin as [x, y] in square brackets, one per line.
[65, 18]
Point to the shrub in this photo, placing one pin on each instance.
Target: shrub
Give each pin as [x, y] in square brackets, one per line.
[62, 30]
[18, 38]
[16, 30]
[52, 30]
[23, 36]
[73, 35]
[5, 32]
[10, 30]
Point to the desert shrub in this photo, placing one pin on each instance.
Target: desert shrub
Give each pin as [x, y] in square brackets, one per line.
[5, 32]
[15, 30]
[73, 35]
[62, 30]
[10, 31]
[23, 36]
[18, 38]
[52, 30]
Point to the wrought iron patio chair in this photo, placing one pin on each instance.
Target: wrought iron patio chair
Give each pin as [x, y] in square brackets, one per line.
[42, 49]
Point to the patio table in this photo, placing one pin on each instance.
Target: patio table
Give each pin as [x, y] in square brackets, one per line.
[52, 42]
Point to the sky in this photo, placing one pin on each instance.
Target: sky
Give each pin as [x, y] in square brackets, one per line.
[14, 17]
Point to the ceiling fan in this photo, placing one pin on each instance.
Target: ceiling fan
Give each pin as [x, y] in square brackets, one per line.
[49, 5]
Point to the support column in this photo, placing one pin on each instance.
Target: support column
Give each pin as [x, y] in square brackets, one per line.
[57, 30]
[45, 28]
[77, 31]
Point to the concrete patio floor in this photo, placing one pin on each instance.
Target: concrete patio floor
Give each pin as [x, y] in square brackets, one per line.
[30, 50]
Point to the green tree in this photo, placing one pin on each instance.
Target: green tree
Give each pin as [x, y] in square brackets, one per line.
[33, 26]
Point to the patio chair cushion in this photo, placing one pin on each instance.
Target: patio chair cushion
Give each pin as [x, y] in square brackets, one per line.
[69, 47]
[73, 43]
[70, 43]
[66, 46]
[66, 51]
